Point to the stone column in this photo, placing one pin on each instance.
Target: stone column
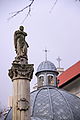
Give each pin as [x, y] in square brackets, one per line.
[21, 74]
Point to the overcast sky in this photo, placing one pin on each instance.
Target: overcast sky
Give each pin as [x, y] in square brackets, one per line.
[57, 30]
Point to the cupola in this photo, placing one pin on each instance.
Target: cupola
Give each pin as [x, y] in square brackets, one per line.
[46, 73]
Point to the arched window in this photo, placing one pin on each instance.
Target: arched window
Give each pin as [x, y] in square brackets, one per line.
[50, 79]
[41, 80]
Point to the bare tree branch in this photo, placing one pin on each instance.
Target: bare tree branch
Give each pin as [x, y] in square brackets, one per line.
[53, 5]
[28, 7]
[77, 0]
[19, 11]
[27, 14]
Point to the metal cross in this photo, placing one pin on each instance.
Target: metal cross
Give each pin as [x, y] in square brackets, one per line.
[59, 60]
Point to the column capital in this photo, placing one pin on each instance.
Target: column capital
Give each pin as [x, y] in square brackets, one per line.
[21, 71]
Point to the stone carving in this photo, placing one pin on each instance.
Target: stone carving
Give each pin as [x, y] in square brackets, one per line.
[21, 71]
[23, 104]
[11, 74]
[19, 42]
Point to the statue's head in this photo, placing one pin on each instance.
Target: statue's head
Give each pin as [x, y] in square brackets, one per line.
[21, 28]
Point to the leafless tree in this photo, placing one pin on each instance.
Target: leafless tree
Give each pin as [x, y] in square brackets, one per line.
[28, 7]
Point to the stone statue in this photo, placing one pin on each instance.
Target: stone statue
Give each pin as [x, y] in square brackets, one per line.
[19, 42]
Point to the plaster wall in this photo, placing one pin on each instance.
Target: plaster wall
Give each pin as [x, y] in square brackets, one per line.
[73, 87]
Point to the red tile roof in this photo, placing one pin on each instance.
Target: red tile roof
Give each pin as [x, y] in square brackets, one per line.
[70, 73]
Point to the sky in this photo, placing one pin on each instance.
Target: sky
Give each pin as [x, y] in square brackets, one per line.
[54, 28]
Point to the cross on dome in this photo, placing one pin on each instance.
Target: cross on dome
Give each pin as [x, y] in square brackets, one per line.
[59, 60]
[46, 51]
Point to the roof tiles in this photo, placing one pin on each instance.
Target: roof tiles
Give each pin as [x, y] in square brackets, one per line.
[70, 73]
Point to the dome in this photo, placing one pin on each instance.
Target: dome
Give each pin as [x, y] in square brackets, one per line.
[51, 103]
[46, 66]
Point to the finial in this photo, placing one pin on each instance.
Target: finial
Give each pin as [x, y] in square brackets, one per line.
[45, 54]
[59, 60]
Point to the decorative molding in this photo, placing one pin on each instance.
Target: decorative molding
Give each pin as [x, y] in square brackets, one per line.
[19, 70]
[23, 104]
